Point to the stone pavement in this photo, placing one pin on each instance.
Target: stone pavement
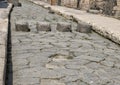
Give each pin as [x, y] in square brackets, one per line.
[60, 58]
[64, 59]
[106, 26]
[4, 12]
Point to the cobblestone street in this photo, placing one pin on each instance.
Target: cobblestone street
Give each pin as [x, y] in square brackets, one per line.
[59, 58]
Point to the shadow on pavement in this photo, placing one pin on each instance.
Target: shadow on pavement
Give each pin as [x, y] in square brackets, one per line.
[9, 66]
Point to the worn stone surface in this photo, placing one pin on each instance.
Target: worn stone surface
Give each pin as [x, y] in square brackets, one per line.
[43, 58]
[108, 27]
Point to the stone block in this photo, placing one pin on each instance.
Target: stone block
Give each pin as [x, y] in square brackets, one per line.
[93, 11]
[22, 26]
[64, 27]
[84, 27]
[50, 10]
[43, 26]
[17, 3]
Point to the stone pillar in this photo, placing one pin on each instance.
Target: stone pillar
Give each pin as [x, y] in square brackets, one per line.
[78, 3]
[59, 2]
[85, 4]
[117, 9]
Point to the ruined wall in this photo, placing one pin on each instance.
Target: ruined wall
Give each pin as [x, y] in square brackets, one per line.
[69, 3]
[117, 9]
[108, 7]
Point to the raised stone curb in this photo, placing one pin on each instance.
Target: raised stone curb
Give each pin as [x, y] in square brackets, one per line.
[106, 26]
[4, 12]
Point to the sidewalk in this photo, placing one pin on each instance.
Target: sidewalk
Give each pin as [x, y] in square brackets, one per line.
[4, 12]
[106, 26]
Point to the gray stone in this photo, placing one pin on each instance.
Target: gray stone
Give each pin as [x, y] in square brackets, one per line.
[50, 11]
[22, 26]
[84, 27]
[17, 3]
[64, 27]
[32, 26]
[117, 14]
[43, 26]
[105, 5]
[93, 11]
[51, 82]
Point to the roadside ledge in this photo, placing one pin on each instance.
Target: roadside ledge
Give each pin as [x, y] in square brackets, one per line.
[106, 26]
[4, 13]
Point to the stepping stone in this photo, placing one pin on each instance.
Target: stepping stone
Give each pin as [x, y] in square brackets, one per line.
[22, 26]
[43, 26]
[84, 27]
[64, 27]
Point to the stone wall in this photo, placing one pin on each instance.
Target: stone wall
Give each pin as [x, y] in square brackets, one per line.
[108, 7]
[117, 9]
